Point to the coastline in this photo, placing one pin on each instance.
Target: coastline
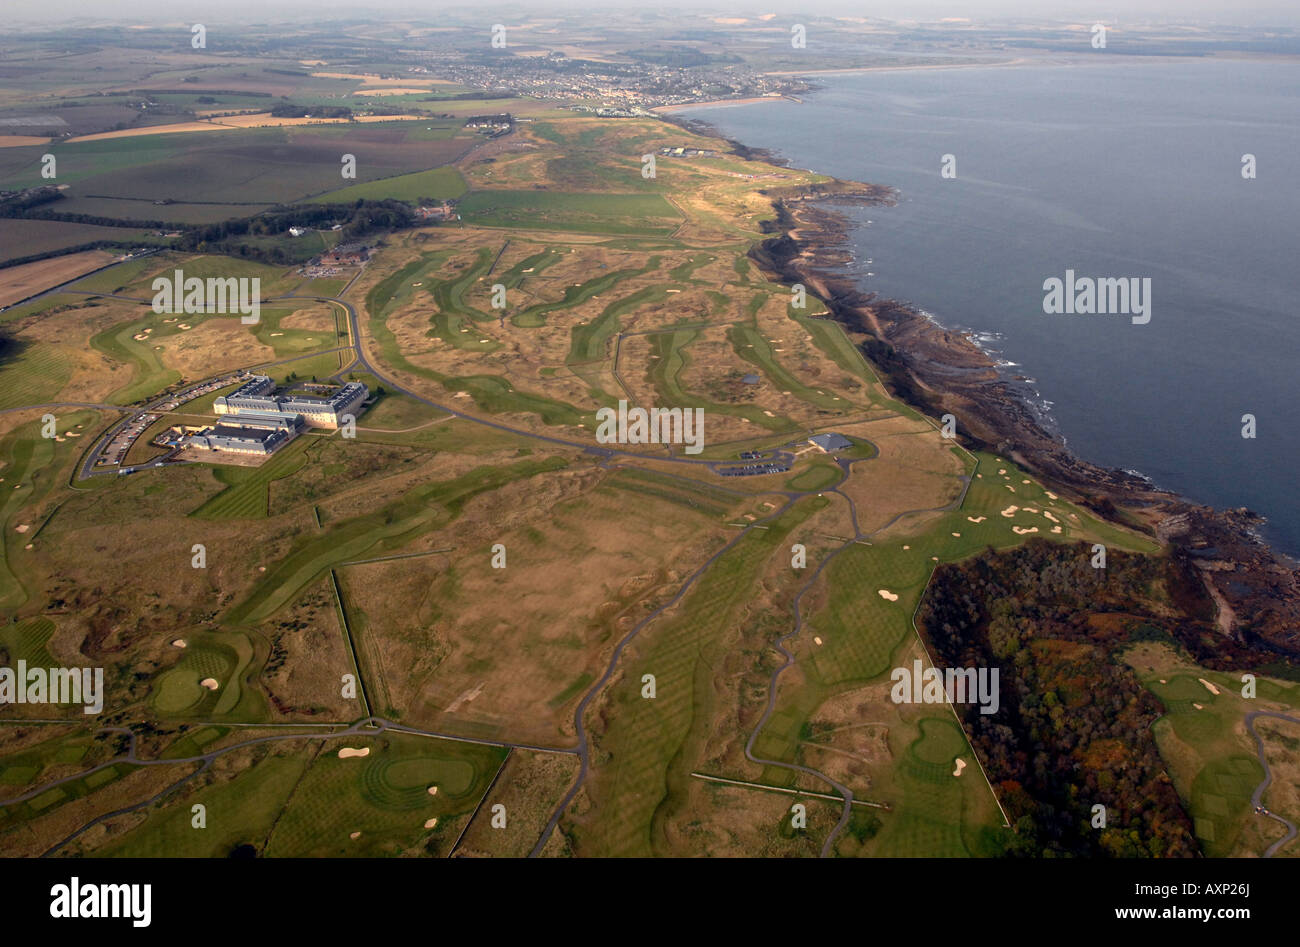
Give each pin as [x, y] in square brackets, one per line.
[718, 103]
[1256, 589]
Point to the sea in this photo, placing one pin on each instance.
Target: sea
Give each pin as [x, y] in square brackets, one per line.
[1009, 176]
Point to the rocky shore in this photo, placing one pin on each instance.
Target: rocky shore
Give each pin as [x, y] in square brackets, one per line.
[1255, 589]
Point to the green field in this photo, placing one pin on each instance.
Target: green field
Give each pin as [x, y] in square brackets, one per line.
[438, 183]
[644, 214]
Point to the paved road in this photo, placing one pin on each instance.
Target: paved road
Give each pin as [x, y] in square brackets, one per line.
[1256, 799]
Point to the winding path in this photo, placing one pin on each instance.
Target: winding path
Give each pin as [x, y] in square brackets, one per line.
[1257, 797]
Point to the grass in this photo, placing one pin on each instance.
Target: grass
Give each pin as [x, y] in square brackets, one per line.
[641, 214]
[699, 496]
[817, 476]
[535, 316]
[647, 742]
[239, 811]
[589, 341]
[1211, 758]
[751, 345]
[439, 183]
[670, 349]
[148, 373]
[384, 797]
[32, 373]
[393, 526]
[495, 394]
[26, 641]
[247, 492]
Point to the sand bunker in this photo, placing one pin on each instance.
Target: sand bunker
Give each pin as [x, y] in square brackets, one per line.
[1022, 530]
[1197, 706]
[1010, 511]
[433, 790]
[348, 752]
[210, 683]
[1052, 496]
[1056, 529]
[1009, 487]
[21, 528]
[816, 640]
[179, 643]
[887, 595]
[430, 823]
[1003, 470]
[961, 765]
[355, 835]
[1210, 687]
[976, 519]
[1050, 517]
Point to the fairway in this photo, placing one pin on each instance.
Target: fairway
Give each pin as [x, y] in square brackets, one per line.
[644, 214]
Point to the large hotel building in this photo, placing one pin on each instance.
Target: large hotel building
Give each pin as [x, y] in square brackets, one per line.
[258, 396]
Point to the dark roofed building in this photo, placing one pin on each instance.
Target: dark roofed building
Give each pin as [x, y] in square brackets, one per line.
[830, 442]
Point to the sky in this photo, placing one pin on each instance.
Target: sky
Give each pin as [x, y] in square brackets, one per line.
[1249, 12]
